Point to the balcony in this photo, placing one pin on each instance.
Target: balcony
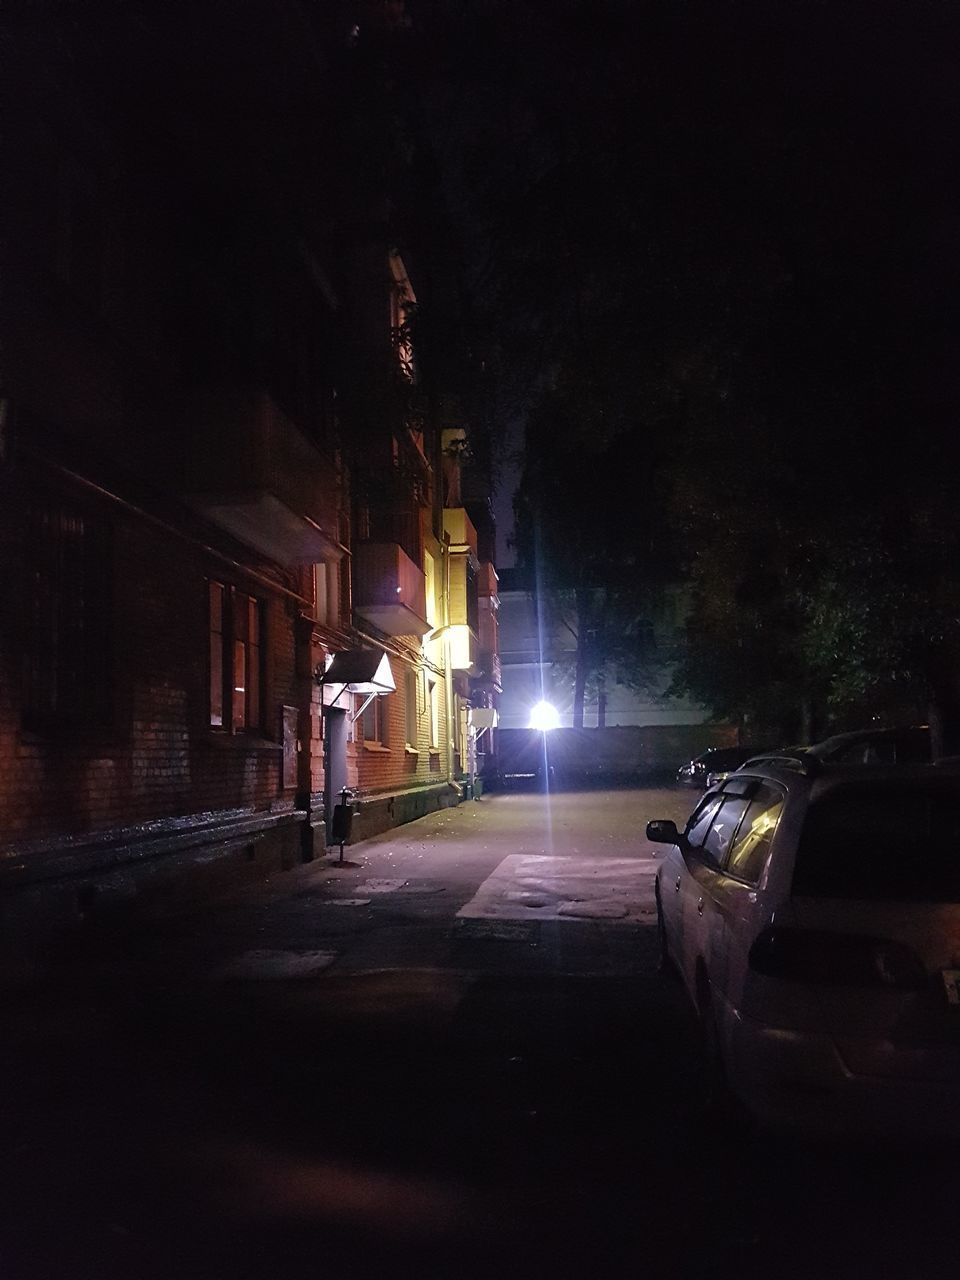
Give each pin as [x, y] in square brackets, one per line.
[462, 646]
[488, 583]
[487, 674]
[389, 590]
[251, 471]
[458, 527]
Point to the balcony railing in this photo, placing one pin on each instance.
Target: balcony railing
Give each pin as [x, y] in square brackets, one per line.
[388, 589]
[250, 470]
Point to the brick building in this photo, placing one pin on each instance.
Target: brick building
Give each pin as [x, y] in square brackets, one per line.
[218, 470]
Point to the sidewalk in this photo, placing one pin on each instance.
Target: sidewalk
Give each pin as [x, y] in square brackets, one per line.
[391, 906]
[341, 1048]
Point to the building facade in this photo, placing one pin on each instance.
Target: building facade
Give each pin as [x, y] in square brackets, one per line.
[218, 468]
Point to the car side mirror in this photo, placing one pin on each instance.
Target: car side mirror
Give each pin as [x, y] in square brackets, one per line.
[663, 831]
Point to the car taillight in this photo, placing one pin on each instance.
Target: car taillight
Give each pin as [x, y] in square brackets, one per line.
[837, 959]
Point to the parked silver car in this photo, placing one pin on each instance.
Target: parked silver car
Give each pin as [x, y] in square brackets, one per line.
[813, 912]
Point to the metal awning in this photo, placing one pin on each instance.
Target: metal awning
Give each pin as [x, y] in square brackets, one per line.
[358, 671]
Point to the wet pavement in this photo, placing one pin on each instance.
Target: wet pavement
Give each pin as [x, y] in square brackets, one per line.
[450, 1057]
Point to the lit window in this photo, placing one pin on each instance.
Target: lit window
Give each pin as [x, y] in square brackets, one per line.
[434, 716]
[411, 683]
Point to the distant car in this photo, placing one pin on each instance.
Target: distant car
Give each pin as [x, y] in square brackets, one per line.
[714, 760]
[813, 912]
[907, 745]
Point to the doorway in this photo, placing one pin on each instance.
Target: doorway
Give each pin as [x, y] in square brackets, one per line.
[334, 761]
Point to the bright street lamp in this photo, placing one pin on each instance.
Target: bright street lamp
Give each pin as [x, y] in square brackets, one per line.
[544, 717]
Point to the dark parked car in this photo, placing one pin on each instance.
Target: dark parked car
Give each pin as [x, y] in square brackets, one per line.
[906, 745]
[909, 745]
[714, 760]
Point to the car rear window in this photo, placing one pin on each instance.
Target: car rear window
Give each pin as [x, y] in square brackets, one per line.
[890, 842]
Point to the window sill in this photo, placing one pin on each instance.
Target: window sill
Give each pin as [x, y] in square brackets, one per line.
[376, 747]
[411, 751]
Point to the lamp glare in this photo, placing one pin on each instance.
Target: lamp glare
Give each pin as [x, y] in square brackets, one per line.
[544, 717]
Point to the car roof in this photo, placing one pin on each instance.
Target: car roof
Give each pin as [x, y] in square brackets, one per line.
[864, 735]
[818, 778]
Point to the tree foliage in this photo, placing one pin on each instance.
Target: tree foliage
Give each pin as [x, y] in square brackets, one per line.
[717, 244]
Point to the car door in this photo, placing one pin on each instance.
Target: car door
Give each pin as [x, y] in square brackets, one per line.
[733, 907]
[678, 883]
[705, 893]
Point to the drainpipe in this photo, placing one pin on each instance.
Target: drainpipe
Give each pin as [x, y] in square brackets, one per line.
[448, 680]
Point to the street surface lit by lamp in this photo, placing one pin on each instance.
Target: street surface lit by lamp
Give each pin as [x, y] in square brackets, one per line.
[544, 717]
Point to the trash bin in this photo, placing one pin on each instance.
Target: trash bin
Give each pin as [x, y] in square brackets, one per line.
[342, 824]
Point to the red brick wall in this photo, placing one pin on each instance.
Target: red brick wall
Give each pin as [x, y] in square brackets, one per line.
[160, 759]
[397, 768]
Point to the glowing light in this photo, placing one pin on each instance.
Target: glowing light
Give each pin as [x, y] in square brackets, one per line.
[544, 717]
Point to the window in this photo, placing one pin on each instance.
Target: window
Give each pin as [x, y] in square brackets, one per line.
[402, 309]
[752, 844]
[700, 820]
[67, 672]
[374, 720]
[411, 682]
[434, 716]
[326, 582]
[430, 578]
[877, 751]
[725, 823]
[236, 659]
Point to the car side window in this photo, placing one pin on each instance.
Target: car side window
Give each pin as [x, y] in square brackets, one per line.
[882, 751]
[700, 820]
[748, 853]
[725, 823]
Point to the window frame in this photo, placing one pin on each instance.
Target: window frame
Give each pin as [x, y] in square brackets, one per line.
[381, 723]
[433, 698]
[781, 800]
[243, 637]
[411, 682]
[67, 680]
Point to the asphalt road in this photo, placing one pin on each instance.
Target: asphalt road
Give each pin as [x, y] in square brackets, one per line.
[451, 1057]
